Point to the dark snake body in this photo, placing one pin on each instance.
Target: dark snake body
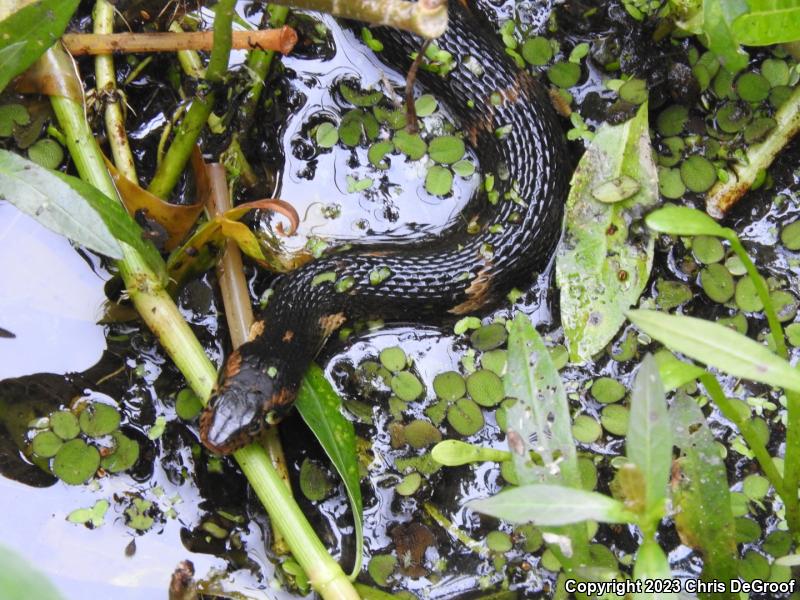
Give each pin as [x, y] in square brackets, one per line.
[455, 274]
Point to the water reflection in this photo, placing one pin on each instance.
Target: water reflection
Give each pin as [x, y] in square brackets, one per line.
[50, 301]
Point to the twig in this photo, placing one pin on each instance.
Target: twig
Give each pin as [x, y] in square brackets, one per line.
[81, 44]
[426, 18]
[105, 74]
[239, 315]
[723, 196]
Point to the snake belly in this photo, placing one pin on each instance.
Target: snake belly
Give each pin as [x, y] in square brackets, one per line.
[463, 271]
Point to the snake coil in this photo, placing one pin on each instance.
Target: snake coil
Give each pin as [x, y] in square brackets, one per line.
[454, 274]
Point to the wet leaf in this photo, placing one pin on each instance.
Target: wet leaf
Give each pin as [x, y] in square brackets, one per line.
[682, 220]
[717, 346]
[768, 22]
[651, 563]
[703, 517]
[446, 149]
[98, 419]
[548, 505]
[439, 180]
[20, 581]
[542, 412]
[314, 482]
[177, 219]
[76, 462]
[95, 515]
[453, 453]
[648, 444]
[600, 270]
[27, 33]
[46, 444]
[675, 373]
[53, 203]
[319, 405]
[125, 455]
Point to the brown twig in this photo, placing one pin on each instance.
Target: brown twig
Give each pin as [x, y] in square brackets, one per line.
[81, 44]
[411, 109]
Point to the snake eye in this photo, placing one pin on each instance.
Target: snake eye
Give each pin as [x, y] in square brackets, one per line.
[272, 418]
[254, 427]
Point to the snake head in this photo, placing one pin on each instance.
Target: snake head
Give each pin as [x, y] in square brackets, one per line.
[249, 397]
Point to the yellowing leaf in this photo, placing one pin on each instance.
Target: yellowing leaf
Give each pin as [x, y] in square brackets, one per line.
[601, 268]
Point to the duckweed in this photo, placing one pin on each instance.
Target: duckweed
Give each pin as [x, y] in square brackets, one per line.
[670, 183]
[717, 283]
[752, 87]
[421, 434]
[393, 358]
[76, 462]
[537, 51]
[64, 424]
[790, 236]
[489, 337]
[564, 74]
[124, 456]
[698, 174]
[586, 429]
[409, 484]
[449, 385]
[381, 567]
[785, 305]
[495, 361]
[707, 249]
[607, 390]
[465, 417]
[498, 541]
[485, 387]
[314, 481]
[46, 444]
[614, 419]
[97, 419]
[672, 120]
[406, 386]
[746, 296]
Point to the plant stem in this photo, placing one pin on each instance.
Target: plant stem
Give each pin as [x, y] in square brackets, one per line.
[239, 316]
[162, 316]
[189, 59]
[103, 42]
[103, 17]
[776, 329]
[170, 169]
[759, 156]
[426, 18]
[791, 468]
[748, 433]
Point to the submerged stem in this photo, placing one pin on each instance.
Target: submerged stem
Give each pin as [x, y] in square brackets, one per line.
[105, 74]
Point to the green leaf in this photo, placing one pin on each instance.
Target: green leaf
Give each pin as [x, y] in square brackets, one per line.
[45, 197]
[651, 563]
[717, 346]
[542, 411]
[119, 222]
[682, 220]
[768, 22]
[550, 505]
[600, 270]
[319, 406]
[703, 505]
[673, 372]
[648, 444]
[28, 32]
[439, 180]
[20, 581]
[718, 17]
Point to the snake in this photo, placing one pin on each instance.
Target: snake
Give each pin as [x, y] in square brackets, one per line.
[506, 233]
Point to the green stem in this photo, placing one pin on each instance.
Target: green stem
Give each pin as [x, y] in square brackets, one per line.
[162, 316]
[791, 468]
[775, 327]
[189, 60]
[170, 169]
[105, 74]
[745, 428]
[759, 156]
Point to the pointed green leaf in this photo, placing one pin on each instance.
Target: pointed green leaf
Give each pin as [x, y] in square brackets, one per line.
[42, 195]
[717, 346]
[601, 269]
[648, 444]
[551, 505]
[542, 410]
[673, 372]
[682, 220]
[718, 18]
[651, 563]
[703, 505]
[319, 406]
[20, 581]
